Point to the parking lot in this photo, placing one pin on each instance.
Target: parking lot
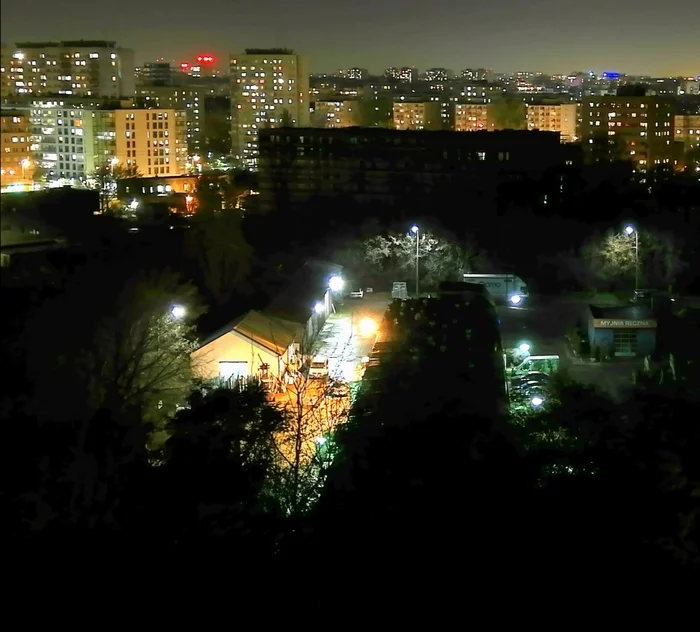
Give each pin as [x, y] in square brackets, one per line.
[544, 322]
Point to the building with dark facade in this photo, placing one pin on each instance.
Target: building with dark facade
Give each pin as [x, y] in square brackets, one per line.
[628, 331]
[301, 168]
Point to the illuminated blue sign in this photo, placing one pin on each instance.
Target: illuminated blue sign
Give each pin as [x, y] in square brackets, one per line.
[611, 75]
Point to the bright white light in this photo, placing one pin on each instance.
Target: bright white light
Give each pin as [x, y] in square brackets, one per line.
[336, 283]
[368, 326]
[318, 308]
[321, 440]
[133, 205]
[178, 312]
[537, 401]
[25, 163]
[629, 229]
[114, 161]
[515, 299]
[414, 229]
[524, 347]
[365, 359]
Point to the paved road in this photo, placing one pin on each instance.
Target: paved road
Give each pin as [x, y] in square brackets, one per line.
[544, 322]
[342, 340]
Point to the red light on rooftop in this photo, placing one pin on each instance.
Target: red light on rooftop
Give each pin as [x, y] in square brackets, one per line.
[205, 59]
[184, 66]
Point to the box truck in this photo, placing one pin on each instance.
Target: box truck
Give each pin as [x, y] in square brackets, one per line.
[503, 288]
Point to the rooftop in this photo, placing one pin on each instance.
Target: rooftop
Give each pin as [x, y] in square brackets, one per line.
[274, 334]
[622, 312]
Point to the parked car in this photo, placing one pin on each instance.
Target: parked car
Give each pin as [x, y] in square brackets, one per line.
[318, 369]
[338, 388]
[357, 293]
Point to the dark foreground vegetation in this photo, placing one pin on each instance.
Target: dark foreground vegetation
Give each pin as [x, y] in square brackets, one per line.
[117, 461]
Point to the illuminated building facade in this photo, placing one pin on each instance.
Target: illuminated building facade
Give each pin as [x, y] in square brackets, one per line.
[269, 88]
[562, 118]
[332, 114]
[70, 68]
[643, 125]
[191, 99]
[16, 164]
[152, 140]
[417, 115]
[70, 140]
[471, 117]
[687, 132]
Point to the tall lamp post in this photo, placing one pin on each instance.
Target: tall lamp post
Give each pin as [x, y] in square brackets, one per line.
[416, 231]
[629, 230]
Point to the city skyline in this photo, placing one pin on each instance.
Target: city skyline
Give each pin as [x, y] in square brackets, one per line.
[454, 36]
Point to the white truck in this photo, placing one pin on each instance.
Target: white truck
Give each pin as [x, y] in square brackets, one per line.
[504, 288]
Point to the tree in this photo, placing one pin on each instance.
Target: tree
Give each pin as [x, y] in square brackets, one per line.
[218, 247]
[374, 112]
[286, 119]
[612, 259]
[119, 347]
[313, 410]
[507, 113]
[440, 259]
[219, 459]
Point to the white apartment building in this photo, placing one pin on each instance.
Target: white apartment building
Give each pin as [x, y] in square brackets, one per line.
[82, 68]
[269, 88]
[70, 141]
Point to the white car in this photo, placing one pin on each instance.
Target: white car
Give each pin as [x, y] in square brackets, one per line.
[357, 293]
[318, 369]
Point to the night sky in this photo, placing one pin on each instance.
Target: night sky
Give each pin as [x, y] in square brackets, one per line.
[630, 36]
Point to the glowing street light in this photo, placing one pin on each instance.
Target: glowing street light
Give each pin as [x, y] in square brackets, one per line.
[629, 230]
[416, 231]
[318, 308]
[336, 284]
[368, 326]
[178, 312]
[537, 401]
[524, 347]
[133, 205]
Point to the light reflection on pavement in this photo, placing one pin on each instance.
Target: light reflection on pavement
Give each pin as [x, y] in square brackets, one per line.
[341, 341]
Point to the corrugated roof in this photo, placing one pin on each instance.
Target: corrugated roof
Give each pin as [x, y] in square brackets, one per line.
[275, 334]
[272, 333]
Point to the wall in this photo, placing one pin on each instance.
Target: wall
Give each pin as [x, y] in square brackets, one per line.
[232, 347]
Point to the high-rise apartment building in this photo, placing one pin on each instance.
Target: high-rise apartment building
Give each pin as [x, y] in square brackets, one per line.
[16, 164]
[192, 99]
[152, 140]
[69, 141]
[471, 117]
[687, 132]
[417, 115]
[69, 68]
[269, 88]
[643, 125]
[550, 117]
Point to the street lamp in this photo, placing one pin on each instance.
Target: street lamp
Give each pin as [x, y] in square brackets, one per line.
[318, 308]
[629, 230]
[416, 231]
[24, 163]
[178, 312]
[336, 284]
[524, 347]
